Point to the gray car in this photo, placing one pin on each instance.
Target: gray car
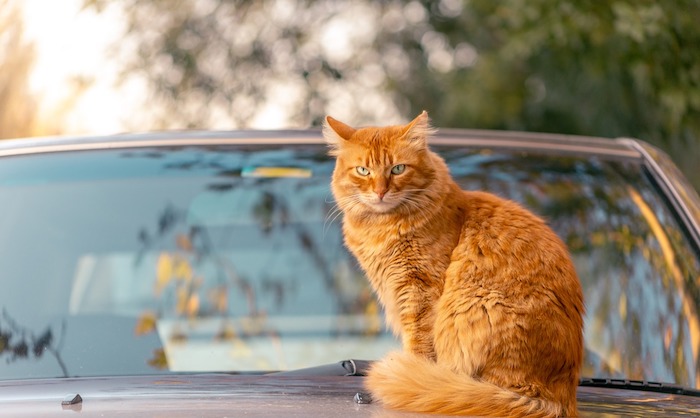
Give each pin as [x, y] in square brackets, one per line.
[203, 274]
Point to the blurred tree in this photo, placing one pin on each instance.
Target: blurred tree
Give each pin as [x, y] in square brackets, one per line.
[19, 107]
[16, 104]
[620, 68]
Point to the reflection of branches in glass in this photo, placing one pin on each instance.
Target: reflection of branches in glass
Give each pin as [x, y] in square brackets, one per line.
[274, 211]
[19, 343]
[198, 276]
[177, 267]
[186, 292]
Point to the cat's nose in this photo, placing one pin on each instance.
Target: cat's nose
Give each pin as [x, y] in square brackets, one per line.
[380, 193]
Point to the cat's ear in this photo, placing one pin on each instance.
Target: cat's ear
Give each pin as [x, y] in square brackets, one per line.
[336, 133]
[419, 130]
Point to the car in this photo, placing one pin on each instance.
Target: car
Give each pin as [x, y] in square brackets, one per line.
[203, 273]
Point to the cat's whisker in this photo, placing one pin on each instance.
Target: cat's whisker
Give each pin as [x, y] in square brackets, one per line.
[423, 206]
[329, 198]
[348, 201]
[333, 213]
[329, 223]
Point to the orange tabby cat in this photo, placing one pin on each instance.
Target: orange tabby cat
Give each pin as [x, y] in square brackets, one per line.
[482, 293]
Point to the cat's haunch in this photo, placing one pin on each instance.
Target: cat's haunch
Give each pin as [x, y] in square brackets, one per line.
[482, 293]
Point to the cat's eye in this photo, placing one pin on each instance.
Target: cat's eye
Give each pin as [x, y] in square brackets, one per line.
[398, 169]
[362, 171]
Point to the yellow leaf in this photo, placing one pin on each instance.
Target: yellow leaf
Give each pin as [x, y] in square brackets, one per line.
[178, 336]
[254, 325]
[182, 299]
[227, 333]
[374, 325]
[184, 242]
[219, 298]
[164, 272]
[622, 307]
[668, 337]
[159, 360]
[146, 323]
[371, 309]
[182, 269]
[193, 305]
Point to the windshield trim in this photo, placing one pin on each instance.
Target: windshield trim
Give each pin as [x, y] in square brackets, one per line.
[579, 145]
[662, 180]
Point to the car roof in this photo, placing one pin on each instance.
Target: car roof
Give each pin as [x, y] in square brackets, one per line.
[560, 144]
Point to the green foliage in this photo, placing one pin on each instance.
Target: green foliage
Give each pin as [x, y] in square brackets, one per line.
[619, 68]
[622, 68]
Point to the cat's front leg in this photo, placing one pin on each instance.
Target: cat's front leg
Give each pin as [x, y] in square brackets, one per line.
[417, 316]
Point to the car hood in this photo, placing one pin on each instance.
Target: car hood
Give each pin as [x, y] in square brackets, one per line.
[217, 395]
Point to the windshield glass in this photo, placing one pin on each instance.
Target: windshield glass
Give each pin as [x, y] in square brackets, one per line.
[231, 259]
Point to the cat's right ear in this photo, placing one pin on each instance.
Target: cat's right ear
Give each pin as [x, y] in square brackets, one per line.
[336, 133]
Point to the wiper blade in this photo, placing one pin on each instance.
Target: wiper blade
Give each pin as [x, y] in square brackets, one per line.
[642, 385]
[341, 368]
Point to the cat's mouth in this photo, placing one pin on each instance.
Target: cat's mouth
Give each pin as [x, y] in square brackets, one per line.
[384, 205]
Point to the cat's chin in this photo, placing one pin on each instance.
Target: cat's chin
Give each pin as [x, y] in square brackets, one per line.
[381, 206]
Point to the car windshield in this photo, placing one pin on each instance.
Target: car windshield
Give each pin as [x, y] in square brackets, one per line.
[231, 259]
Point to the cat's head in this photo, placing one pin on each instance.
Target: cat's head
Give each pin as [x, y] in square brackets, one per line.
[381, 169]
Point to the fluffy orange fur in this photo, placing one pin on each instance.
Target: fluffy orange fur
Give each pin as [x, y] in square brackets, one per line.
[481, 291]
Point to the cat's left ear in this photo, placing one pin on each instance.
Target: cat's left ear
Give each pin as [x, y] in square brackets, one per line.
[336, 133]
[419, 130]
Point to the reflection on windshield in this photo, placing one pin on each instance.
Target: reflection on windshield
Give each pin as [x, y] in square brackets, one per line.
[18, 343]
[198, 259]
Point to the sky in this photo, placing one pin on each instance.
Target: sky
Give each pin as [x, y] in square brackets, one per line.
[72, 43]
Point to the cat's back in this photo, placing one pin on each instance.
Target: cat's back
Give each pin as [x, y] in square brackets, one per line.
[502, 228]
[511, 247]
[512, 276]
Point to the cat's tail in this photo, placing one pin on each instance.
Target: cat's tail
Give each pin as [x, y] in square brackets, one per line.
[409, 383]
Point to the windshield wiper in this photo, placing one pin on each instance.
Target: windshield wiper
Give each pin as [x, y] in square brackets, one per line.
[341, 368]
[642, 385]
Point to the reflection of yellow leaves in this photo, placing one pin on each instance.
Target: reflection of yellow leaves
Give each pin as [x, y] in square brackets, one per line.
[159, 360]
[177, 336]
[254, 325]
[164, 272]
[668, 335]
[182, 299]
[689, 307]
[187, 303]
[622, 308]
[628, 239]
[182, 269]
[193, 305]
[146, 323]
[184, 242]
[227, 333]
[598, 238]
[371, 309]
[171, 267]
[374, 325]
[219, 298]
